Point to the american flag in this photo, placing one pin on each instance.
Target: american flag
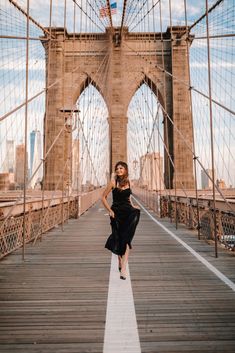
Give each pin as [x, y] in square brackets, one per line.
[104, 11]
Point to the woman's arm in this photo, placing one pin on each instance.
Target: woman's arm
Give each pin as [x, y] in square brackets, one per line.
[104, 198]
[135, 206]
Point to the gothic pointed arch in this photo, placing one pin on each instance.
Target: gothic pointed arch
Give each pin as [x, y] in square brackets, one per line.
[85, 81]
[145, 79]
[73, 67]
[157, 87]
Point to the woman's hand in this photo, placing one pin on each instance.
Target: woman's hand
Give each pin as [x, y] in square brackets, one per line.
[111, 214]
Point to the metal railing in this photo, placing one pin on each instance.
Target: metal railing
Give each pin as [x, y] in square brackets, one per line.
[184, 210]
[40, 221]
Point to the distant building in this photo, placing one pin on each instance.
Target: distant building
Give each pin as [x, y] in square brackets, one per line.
[35, 157]
[206, 182]
[9, 162]
[7, 181]
[19, 166]
[4, 181]
[151, 167]
[221, 184]
[76, 182]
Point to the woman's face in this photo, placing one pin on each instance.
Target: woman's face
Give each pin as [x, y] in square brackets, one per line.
[120, 170]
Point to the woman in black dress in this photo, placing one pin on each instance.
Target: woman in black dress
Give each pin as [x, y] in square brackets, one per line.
[124, 216]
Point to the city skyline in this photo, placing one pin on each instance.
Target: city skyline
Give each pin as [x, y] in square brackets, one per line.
[13, 164]
[13, 74]
[35, 157]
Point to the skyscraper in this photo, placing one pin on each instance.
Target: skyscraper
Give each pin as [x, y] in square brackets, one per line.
[151, 166]
[19, 166]
[206, 182]
[8, 164]
[76, 182]
[35, 156]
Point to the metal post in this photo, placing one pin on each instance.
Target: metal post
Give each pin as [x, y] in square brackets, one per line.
[193, 153]
[45, 121]
[63, 88]
[211, 127]
[26, 130]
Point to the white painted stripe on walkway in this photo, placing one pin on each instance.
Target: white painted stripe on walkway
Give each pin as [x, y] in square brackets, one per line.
[212, 268]
[121, 332]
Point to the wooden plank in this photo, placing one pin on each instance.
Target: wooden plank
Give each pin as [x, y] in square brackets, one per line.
[180, 305]
[55, 302]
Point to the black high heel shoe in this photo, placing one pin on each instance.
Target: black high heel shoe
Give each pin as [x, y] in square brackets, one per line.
[122, 276]
[119, 268]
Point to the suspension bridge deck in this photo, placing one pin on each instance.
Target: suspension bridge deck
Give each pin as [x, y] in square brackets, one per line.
[56, 300]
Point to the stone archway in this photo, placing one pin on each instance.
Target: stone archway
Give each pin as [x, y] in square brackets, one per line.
[71, 59]
[168, 127]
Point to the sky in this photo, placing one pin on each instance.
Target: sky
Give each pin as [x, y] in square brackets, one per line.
[40, 10]
[12, 65]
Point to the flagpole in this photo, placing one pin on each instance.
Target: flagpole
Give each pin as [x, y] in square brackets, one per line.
[109, 13]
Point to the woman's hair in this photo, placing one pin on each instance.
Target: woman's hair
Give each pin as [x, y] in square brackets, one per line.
[122, 181]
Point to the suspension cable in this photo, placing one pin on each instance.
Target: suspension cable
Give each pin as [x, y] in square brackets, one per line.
[47, 153]
[192, 122]
[193, 152]
[135, 15]
[205, 14]
[181, 81]
[13, 2]
[110, 14]
[123, 14]
[41, 92]
[142, 18]
[81, 8]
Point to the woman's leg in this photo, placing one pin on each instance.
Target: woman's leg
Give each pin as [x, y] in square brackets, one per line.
[119, 262]
[124, 261]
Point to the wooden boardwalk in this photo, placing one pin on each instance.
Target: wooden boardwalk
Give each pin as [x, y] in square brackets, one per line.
[55, 302]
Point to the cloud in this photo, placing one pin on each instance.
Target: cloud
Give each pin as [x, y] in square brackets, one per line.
[214, 43]
[14, 64]
[178, 8]
[213, 65]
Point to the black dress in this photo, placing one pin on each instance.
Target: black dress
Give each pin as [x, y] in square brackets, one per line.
[124, 223]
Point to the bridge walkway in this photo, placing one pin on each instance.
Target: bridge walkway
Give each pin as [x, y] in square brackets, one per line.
[65, 299]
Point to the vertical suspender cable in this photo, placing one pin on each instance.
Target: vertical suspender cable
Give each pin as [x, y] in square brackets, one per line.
[175, 170]
[76, 149]
[84, 160]
[63, 109]
[160, 167]
[165, 118]
[159, 161]
[123, 15]
[191, 107]
[71, 166]
[145, 112]
[151, 159]
[110, 14]
[143, 173]
[46, 120]
[26, 130]
[211, 127]
[79, 116]
[154, 142]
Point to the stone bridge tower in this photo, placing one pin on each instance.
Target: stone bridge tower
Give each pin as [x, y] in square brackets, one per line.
[80, 59]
